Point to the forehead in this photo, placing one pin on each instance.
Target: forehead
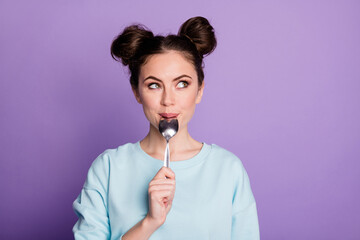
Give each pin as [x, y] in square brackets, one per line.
[167, 65]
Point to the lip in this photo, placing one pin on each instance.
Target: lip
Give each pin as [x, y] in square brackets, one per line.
[169, 115]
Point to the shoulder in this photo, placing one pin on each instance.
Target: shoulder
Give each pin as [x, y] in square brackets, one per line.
[233, 167]
[100, 168]
[225, 157]
[126, 148]
[227, 163]
[107, 157]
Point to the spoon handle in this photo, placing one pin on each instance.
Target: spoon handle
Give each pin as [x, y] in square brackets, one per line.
[167, 156]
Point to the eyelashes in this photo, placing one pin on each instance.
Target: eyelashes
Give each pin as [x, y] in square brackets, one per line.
[184, 84]
[153, 85]
[181, 84]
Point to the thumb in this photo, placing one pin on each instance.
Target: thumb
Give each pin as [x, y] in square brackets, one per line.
[165, 172]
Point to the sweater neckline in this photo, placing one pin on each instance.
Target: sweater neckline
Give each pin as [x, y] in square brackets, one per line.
[199, 157]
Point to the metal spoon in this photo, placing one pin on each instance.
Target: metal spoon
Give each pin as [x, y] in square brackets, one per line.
[168, 129]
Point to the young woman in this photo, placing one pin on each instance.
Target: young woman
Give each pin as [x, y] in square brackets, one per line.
[205, 193]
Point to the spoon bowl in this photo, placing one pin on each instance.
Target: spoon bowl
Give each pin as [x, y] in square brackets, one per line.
[168, 129]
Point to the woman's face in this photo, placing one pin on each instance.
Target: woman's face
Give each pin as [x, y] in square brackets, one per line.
[168, 88]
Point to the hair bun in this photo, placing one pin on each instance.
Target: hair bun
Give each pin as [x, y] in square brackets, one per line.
[125, 46]
[201, 33]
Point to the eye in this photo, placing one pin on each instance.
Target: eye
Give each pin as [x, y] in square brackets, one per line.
[153, 85]
[183, 84]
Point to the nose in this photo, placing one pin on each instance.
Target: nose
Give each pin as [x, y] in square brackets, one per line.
[167, 98]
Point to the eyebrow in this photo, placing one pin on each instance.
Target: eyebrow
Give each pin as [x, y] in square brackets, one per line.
[157, 79]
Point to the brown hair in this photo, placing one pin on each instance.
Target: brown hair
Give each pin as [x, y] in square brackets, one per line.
[195, 39]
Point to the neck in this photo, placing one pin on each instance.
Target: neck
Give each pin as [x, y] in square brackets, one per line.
[154, 143]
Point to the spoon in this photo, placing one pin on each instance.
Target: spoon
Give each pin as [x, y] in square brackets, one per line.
[168, 129]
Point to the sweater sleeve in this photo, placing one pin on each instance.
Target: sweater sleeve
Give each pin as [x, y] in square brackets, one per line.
[91, 204]
[245, 224]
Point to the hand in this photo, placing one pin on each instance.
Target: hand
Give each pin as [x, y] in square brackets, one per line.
[161, 194]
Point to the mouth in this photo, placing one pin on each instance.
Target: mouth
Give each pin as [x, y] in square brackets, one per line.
[169, 115]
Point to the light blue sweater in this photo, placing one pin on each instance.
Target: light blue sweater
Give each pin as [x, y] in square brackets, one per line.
[213, 198]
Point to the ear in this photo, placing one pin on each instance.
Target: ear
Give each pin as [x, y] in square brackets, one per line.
[137, 95]
[200, 93]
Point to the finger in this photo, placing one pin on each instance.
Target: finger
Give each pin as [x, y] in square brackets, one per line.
[162, 181]
[162, 187]
[165, 172]
[170, 190]
[168, 205]
[159, 195]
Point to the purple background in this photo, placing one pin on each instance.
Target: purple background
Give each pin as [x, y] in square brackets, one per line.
[282, 93]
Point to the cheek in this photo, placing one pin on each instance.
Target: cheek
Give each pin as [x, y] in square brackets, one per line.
[149, 103]
[188, 102]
